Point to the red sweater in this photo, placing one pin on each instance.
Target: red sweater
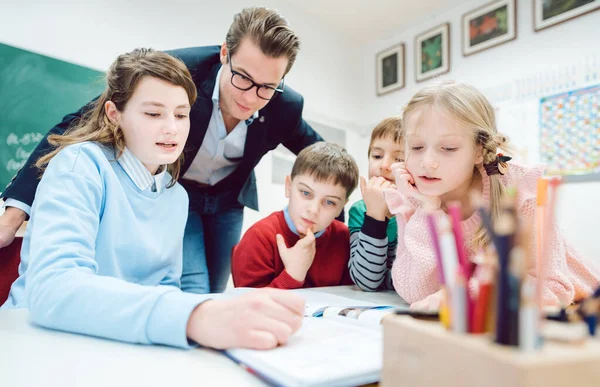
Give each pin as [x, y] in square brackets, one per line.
[256, 261]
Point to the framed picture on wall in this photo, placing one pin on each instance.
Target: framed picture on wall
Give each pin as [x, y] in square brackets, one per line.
[547, 13]
[432, 52]
[390, 69]
[488, 26]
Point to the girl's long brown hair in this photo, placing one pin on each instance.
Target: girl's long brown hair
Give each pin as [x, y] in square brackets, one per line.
[122, 78]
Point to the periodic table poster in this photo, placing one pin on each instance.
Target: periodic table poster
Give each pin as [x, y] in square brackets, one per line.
[570, 131]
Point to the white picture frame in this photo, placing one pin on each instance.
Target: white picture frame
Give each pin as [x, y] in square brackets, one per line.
[548, 17]
[492, 24]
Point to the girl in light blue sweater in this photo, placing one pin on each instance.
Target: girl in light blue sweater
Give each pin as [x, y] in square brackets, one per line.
[102, 254]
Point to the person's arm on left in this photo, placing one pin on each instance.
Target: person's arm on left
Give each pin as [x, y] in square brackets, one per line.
[10, 221]
[64, 289]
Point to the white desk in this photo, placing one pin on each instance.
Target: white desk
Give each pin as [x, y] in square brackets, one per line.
[34, 356]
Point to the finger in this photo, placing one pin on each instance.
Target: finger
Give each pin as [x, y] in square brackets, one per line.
[386, 184]
[259, 339]
[401, 166]
[395, 166]
[309, 237]
[293, 302]
[281, 246]
[434, 303]
[405, 178]
[363, 185]
[290, 313]
[379, 181]
[279, 329]
[419, 305]
[399, 172]
[431, 303]
[406, 175]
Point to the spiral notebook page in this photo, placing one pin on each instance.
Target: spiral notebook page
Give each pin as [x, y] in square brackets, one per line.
[321, 353]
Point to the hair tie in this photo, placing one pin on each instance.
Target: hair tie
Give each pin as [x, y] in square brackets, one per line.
[498, 166]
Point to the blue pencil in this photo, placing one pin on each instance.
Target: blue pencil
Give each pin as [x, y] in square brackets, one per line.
[505, 228]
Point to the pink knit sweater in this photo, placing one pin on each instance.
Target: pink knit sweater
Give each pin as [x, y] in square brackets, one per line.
[570, 277]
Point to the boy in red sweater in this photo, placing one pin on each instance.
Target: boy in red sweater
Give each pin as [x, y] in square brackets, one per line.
[303, 246]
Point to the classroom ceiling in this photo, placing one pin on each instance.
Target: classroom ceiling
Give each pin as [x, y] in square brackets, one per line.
[368, 20]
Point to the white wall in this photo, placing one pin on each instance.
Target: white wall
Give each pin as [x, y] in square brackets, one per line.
[569, 45]
[531, 53]
[93, 33]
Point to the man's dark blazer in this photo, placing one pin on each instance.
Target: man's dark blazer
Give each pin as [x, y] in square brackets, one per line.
[279, 122]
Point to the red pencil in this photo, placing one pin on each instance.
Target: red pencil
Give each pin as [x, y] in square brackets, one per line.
[481, 307]
[482, 304]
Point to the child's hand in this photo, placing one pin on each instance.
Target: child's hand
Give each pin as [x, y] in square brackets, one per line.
[262, 319]
[431, 303]
[298, 259]
[405, 183]
[372, 193]
[404, 180]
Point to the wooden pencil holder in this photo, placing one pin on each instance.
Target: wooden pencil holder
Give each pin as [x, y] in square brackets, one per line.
[423, 353]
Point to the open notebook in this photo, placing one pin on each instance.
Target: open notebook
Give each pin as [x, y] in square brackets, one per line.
[340, 344]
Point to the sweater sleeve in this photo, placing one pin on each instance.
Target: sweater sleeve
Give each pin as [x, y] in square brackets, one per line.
[559, 290]
[63, 289]
[569, 276]
[368, 251]
[253, 263]
[414, 270]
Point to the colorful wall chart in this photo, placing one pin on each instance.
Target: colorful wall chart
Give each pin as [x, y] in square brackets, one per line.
[570, 131]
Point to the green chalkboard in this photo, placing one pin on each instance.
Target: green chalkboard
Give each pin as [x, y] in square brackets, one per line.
[36, 91]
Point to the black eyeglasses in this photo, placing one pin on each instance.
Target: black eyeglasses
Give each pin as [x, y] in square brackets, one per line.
[242, 82]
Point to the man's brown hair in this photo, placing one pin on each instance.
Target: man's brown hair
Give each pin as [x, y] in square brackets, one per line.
[268, 30]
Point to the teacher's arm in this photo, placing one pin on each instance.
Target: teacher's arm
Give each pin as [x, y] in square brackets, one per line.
[19, 194]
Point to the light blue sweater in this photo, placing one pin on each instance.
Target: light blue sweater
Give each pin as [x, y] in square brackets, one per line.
[103, 257]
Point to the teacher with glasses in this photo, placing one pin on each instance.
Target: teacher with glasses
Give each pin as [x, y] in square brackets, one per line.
[243, 111]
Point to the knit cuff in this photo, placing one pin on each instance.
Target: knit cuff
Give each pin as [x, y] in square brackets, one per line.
[286, 281]
[394, 201]
[374, 228]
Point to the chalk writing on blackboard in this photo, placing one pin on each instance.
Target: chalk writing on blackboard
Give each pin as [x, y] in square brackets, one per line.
[20, 148]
